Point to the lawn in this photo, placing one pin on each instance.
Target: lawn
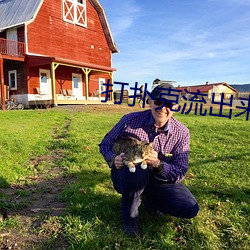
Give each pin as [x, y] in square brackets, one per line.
[218, 176]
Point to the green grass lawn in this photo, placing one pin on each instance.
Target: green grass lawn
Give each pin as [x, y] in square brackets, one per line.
[218, 176]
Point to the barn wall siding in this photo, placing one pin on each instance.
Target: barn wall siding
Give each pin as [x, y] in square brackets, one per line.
[33, 78]
[21, 77]
[50, 35]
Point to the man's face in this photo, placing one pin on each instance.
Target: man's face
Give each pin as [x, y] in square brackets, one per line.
[162, 115]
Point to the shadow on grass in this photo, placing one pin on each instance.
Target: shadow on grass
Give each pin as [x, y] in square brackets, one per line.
[94, 219]
[3, 182]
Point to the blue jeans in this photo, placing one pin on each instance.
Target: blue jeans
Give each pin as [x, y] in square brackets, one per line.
[168, 198]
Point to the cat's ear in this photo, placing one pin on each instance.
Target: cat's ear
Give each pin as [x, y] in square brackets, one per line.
[151, 144]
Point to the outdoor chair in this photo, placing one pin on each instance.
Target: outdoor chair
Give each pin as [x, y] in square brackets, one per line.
[70, 92]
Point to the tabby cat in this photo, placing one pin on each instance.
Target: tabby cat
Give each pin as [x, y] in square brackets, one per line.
[135, 151]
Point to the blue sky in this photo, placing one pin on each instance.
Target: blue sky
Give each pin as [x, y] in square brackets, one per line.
[188, 41]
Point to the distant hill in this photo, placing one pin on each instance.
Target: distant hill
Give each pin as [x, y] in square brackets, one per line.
[241, 87]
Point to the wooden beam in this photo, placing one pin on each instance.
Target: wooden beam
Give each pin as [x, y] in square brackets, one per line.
[14, 58]
[86, 71]
[2, 84]
[112, 82]
[53, 79]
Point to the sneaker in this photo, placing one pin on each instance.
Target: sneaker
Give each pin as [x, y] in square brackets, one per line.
[131, 230]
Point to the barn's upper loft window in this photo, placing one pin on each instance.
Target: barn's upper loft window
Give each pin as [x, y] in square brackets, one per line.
[74, 11]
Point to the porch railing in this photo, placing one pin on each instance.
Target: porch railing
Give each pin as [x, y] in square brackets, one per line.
[12, 48]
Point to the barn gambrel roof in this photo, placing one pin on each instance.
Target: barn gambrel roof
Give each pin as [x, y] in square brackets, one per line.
[18, 12]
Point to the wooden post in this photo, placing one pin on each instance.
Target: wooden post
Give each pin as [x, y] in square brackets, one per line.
[86, 72]
[112, 82]
[53, 79]
[2, 84]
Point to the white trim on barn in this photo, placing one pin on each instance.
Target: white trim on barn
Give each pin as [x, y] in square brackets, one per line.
[74, 11]
[12, 75]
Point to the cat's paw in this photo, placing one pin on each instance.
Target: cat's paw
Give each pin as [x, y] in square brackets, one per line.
[132, 170]
[144, 166]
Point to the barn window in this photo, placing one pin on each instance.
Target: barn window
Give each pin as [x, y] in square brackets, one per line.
[12, 80]
[102, 87]
[74, 11]
[43, 77]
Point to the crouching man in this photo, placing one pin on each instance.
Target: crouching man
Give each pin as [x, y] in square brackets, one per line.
[160, 184]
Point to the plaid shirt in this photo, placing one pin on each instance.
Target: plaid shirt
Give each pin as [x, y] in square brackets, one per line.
[174, 141]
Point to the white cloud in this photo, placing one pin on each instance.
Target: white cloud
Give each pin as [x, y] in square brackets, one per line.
[121, 15]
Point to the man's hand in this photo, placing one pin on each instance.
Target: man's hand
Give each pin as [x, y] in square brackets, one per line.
[153, 160]
[119, 161]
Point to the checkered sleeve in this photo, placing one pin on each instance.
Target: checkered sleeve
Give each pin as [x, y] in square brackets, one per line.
[106, 144]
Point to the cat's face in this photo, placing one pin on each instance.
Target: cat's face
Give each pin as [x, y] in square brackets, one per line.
[146, 148]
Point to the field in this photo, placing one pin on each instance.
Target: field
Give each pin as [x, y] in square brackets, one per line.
[56, 192]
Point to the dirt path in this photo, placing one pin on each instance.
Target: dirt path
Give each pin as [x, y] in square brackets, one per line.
[33, 205]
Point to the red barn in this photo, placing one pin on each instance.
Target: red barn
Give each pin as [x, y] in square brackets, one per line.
[56, 52]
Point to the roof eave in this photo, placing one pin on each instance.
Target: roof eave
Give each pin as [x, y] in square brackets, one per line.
[12, 26]
[230, 87]
[105, 25]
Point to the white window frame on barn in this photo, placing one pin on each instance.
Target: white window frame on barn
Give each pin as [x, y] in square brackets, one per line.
[12, 79]
[102, 88]
[74, 11]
